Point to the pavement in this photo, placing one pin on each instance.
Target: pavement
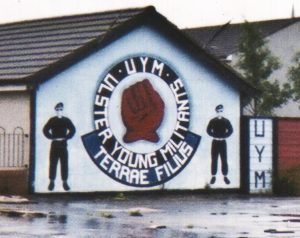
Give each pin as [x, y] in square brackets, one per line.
[174, 215]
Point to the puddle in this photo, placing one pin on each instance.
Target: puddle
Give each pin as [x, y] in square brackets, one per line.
[292, 220]
[61, 219]
[274, 231]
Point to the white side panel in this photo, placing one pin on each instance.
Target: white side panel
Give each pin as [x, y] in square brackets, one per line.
[77, 87]
[261, 155]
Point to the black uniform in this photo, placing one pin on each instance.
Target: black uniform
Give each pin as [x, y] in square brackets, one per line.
[59, 128]
[219, 129]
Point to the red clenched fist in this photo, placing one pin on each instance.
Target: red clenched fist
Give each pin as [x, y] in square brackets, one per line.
[142, 112]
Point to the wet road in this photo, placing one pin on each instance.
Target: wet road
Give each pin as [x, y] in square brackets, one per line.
[155, 216]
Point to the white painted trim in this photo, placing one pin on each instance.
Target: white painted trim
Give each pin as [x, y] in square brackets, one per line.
[9, 88]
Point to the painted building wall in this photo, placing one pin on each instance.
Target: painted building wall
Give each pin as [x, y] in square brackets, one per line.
[288, 144]
[78, 87]
[16, 106]
[283, 44]
[14, 140]
[288, 164]
[260, 155]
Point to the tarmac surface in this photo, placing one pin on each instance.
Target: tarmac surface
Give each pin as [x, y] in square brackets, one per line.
[151, 216]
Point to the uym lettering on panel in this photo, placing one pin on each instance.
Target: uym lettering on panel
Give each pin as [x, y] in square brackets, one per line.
[261, 155]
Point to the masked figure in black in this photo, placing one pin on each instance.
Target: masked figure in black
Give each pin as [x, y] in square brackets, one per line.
[59, 129]
[219, 128]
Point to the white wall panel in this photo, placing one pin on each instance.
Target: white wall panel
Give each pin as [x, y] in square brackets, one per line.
[76, 87]
[261, 155]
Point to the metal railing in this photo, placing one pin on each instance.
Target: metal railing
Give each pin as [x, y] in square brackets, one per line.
[12, 148]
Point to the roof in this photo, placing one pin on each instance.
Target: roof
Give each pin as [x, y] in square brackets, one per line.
[28, 47]
[34, 51]
[222, 40]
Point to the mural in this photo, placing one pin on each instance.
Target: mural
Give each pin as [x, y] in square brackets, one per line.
[142, 112]
[219, 128]
[143, 148]
[261, 155]
[59, 129]
[139, 111]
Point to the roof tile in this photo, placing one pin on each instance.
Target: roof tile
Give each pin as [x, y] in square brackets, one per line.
[223, 40]
[30, 46]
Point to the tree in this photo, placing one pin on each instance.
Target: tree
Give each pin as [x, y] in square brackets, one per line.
[257, 63]
[294, 76]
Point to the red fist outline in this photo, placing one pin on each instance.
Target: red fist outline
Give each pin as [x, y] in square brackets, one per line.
[142, 111]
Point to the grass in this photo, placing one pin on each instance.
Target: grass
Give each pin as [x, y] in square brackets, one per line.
[135, 213]
[107, 215]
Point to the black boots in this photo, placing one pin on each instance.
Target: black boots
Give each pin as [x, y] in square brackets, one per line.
[65, 185]
[226, 180]
[51, 185]
[213, 180]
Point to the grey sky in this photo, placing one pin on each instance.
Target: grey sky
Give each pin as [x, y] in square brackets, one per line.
[183, 13]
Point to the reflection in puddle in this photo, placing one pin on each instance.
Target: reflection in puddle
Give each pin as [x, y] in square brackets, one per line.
[61, 219]
[92, 223]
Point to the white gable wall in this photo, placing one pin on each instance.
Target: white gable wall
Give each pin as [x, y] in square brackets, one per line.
[76, 88]
[283, 44]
